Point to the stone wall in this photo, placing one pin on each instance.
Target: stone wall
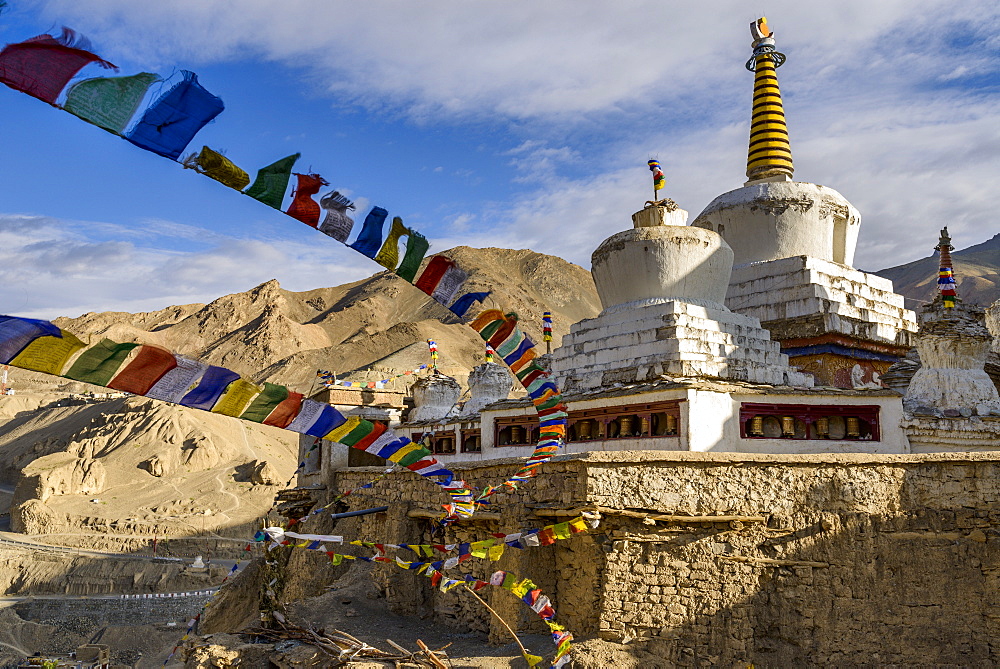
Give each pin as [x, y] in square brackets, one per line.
[859, 559]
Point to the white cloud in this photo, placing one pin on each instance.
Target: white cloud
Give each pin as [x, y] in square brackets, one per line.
[52, 268]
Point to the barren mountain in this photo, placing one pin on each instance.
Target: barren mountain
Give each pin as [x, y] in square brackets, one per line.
[977, 272]
[369, 328]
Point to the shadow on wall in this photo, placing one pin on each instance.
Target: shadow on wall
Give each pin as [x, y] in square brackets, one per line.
[899, 569]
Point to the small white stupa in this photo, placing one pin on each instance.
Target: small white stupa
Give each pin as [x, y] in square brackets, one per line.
[951, 402]
[488, 383]
[662, 286]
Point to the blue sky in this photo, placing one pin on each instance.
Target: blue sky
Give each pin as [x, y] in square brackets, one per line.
[522, 125]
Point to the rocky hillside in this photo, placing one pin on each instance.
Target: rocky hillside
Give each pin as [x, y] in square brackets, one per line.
[977, 271]
[117, 474]
[368, 328]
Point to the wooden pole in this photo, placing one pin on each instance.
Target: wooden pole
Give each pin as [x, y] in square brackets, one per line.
[524, 651]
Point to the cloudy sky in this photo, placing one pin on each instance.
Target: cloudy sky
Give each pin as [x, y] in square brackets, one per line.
[518, 124]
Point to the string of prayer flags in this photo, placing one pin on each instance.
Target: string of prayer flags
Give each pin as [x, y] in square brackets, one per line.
[331, 382]
[164, 375]
[170, 123]
[216, 166]
[658, 178]
[272, 181]
[489, 353]
[492, 548]
[369, 241]
[327, 379]
[303, 207]
[109, 102]
[337, 223]
[547, 326]
[946, 277]
[511, 344]
[43, 65]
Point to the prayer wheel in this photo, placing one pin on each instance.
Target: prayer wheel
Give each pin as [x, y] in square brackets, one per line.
[671, 424]
[516, 434]
[583, 430]
[823, 426]
[625, 426]
[755, 429]
[853, 426]
[645, 425]
[787, 426]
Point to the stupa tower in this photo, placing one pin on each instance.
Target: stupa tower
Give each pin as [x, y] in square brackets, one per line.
[793, 244]
[770, 155]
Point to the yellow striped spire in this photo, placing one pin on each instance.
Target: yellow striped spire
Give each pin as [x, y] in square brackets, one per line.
[770, 154]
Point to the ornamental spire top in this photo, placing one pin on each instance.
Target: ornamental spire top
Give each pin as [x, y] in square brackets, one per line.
[770, 154]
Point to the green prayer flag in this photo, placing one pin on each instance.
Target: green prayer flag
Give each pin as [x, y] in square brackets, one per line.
[108, 102]
[264, 404]
[363, 429]
[99, 363]
[414, 456]
[272, 181]
[416, 249]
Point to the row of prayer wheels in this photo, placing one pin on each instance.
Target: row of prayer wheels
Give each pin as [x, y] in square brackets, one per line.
[852, 427]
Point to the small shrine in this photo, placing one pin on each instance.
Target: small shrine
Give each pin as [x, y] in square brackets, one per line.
[951, 402]
[794, 245]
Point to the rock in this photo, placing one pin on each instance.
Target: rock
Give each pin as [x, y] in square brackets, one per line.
[262, 473]
[154, 466]
[978, 536]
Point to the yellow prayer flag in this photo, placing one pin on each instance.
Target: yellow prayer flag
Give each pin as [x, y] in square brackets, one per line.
[48, 354]
[496, 552]
[578, 524]
[562, 530]
[237, 398]
[532, 660]
[337, 433]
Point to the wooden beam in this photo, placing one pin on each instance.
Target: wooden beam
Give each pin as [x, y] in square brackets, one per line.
[430, 514]
[666, 518]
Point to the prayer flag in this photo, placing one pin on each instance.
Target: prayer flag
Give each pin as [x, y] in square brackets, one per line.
[99, 363]
[173, 385]
[303, 207]
[272, 181]
[48, 354]
[337, 223]
[211, 385]
[271, 395]
[370, 239]
[108, 102]
[16, 333]
[416, 249]
[216, 166]
[43, 65]
[388, 255]
[433, 272]
[148, 366]
[462, 304]
[172, 120]
[658, 178]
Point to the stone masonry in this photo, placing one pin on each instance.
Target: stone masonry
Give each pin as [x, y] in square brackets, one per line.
[895, 554]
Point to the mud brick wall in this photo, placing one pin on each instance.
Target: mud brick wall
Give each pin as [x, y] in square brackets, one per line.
[886, 559]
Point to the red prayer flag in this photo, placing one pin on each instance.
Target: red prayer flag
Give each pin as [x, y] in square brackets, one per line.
[432, 274]
[146, 368]
[303, 206]
[43, 65]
